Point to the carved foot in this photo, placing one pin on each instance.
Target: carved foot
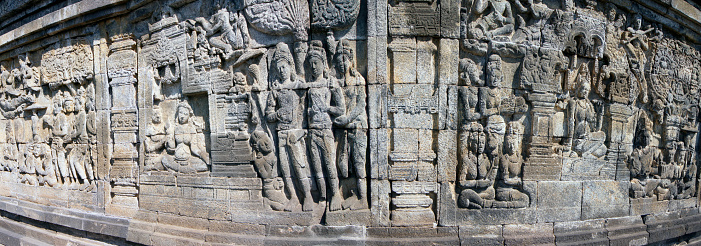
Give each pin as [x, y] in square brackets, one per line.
[336, 203]
[360, 204]
[293, 205]
[308, 204]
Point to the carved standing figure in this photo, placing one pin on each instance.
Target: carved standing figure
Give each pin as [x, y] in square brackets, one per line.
[636, 42]
[284, 107]
[490, 97]
[354, 138]
[320, 110]
[155, 142]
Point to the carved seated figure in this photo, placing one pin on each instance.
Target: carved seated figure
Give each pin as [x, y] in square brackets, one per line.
[642, 161]
[155, 142]
[587, 139]
[476, 178]
[187, 143]
[508, 194]
[36, 153]
[490, 19]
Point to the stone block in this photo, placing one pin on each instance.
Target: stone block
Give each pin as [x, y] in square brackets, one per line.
[627, 231]
[349, 217]
[589, 232]
[604, 199]
[447, 157]
[678, 205]
[559, 201]
[492, 216]
[534, 234]
[481, 235]
[664, 226]
[642, 206]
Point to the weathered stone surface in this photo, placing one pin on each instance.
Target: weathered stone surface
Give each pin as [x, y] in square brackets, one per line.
[602, 199]
[559, 201]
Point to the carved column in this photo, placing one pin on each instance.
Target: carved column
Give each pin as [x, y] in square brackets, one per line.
[619, 145]
[542, 164]
[121, 71]
[413, 110]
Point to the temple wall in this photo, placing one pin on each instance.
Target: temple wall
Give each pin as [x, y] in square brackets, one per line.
[350, 122]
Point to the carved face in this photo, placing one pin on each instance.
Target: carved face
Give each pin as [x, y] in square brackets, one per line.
[69, 106]
[156, 117]
[239, 79]
[479, 142]
[317, 66]
[284, 69]
[469, 73]
[494, 74]
[183, 115]
[343, 63]
[584, 90]
[265, 145]
[513, 142]
[612, 14]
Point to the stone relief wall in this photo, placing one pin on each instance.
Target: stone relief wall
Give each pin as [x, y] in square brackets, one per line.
[399, 113]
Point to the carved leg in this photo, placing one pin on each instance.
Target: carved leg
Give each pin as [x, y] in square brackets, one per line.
[329, 154]
[316, 145]
[293, 203]
[360, 145]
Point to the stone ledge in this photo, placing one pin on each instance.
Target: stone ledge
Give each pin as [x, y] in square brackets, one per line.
[160, 228]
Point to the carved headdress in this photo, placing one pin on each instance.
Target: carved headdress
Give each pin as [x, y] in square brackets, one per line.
[316, 49]
[282, 51]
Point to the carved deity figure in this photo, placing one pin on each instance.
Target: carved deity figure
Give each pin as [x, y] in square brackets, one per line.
[242, 110]
[9, 158]
[266, 165]
[234, 32]
[644, 161]
[490, 19]
[354, 138]
[471, 78]
[490, 97]
[37, 154]
[509, 180]
[77, 147]
[13, 100]
[59, 126]
[476, 176]
[320, 110]
[536, 14]
[186, 142]
[585, 135]
[636, 43]
[155, 142]
[284, 107]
